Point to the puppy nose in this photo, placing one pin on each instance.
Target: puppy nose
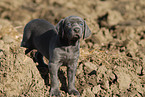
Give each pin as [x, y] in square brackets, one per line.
[77, 29]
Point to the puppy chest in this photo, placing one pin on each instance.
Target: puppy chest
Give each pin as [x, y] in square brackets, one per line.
[66, 54]
[70, 56]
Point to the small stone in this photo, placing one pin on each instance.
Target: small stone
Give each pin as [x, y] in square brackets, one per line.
[124, 79]
[1, 53]
[142, 43]
[90, 65]
[114, 17]
[96, 89]
[132, 47]
[87, 93]
[139, 70]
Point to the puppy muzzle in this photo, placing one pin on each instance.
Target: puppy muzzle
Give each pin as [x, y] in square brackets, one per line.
[76, 30]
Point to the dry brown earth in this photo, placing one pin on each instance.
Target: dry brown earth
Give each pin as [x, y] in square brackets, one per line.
[112, 60]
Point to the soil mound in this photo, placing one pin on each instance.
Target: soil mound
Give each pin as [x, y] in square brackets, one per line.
[112, 60]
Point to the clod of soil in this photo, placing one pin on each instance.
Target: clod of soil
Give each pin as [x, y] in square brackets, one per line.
[112, 60]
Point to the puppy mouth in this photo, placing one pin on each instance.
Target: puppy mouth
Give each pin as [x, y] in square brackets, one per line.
[75, 39]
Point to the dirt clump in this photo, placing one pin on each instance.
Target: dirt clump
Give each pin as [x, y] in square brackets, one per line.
[112, 60]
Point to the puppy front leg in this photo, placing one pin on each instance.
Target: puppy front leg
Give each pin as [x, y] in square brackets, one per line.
[54, 90]
[71, 79]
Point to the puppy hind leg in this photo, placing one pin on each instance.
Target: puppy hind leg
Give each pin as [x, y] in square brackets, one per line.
[27, 51]
[39, 59]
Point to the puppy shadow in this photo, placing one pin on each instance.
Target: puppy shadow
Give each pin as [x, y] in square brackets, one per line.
[63, 81]
[45, 74]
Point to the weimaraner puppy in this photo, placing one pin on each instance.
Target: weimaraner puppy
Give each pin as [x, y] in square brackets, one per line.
[60, 45]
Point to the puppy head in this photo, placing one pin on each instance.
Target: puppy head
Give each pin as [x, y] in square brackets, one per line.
[73, 28]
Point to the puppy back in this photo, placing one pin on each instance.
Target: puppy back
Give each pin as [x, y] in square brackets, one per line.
[33, 29]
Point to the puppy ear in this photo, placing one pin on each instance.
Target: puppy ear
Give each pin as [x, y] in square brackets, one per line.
[60, 28]
[87, 31]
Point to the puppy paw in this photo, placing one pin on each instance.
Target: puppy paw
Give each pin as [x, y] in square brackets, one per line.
[74, 92]
[55, 92]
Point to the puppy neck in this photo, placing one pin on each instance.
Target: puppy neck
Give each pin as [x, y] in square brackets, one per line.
[67, 42]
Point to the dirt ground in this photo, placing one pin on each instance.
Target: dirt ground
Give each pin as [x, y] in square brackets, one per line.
[112, 60]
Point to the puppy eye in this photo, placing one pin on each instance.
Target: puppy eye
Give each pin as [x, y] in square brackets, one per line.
[68, 24]
[81, 24]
